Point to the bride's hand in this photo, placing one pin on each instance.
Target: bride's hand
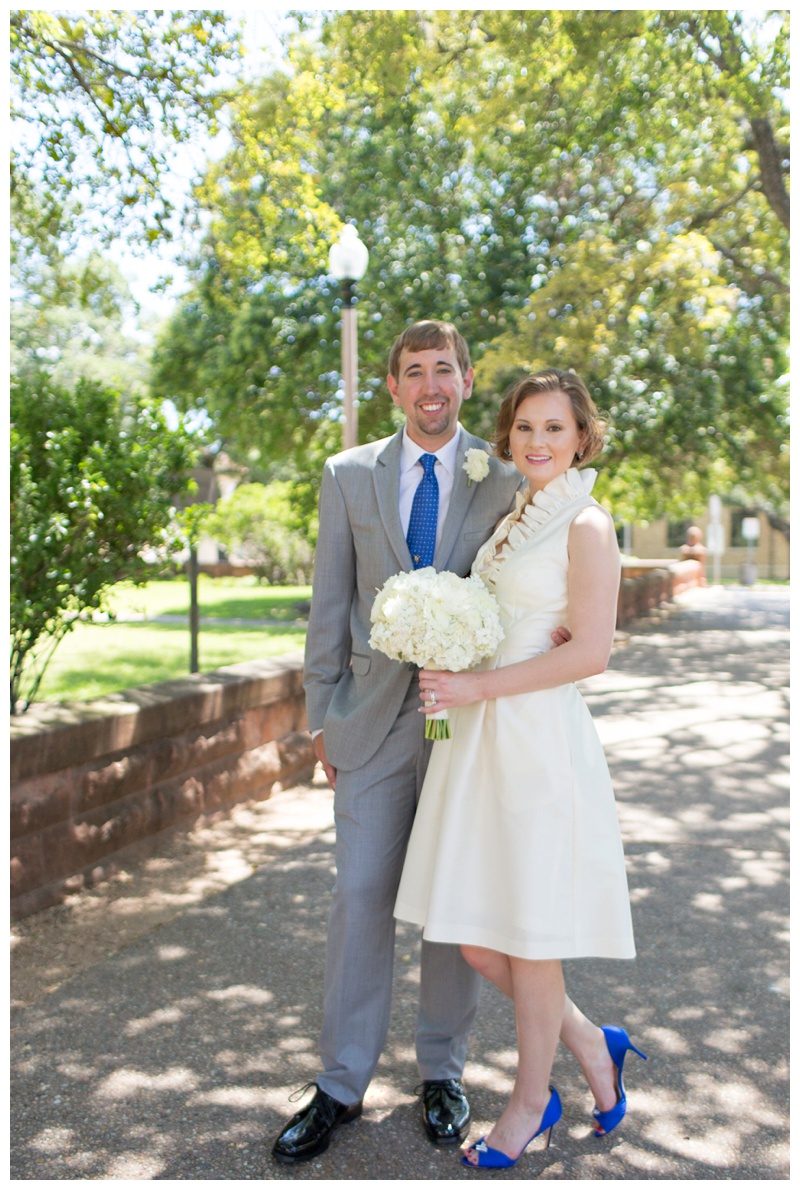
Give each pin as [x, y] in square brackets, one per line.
[439, 689]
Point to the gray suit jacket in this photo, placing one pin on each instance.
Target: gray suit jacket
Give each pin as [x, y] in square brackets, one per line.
[354, 692]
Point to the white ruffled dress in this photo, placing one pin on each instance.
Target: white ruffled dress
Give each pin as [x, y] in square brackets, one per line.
[516, 844]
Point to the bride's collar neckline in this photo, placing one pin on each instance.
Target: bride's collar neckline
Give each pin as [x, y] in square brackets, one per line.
[530, 515]
[566, 486]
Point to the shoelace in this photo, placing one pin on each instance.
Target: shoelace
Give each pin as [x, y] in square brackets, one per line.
[300, 1092]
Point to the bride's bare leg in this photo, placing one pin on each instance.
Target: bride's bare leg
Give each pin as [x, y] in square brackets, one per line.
[538, 994]
[492, 965]
[588, 1043]
[582, 1038]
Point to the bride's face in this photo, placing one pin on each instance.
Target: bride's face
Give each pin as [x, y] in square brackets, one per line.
[544, 438]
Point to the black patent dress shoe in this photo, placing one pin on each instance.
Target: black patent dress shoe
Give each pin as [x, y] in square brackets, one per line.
[309, 1131]
[445, 1111]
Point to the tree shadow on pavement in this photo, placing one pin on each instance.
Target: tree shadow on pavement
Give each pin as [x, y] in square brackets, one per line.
[174, 1058]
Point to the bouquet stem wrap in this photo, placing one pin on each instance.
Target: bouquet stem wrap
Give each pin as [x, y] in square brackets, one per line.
[437, 723]
[437, 620]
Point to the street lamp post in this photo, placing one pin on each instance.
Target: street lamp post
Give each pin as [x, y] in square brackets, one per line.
[347, 260]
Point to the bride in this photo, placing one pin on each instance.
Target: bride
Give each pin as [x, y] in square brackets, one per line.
[515, 852]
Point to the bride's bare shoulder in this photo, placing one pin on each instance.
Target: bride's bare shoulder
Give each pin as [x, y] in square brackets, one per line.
[593, 528]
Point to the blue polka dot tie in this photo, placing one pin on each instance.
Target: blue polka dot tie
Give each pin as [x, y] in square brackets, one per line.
[421, 536]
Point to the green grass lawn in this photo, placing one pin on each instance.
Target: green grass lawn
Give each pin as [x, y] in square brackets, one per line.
[96, 659]
[225, 598]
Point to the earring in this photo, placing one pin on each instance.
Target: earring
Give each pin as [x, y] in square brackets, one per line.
[580, 456]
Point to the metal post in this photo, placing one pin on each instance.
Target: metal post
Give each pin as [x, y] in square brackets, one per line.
[348, 259]
[194, 613]
[349, 367]
[715, 536]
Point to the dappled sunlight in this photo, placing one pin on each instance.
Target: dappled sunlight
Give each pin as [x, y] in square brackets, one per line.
[234, 1032]
[668, 1041]
[237, 1064]
[296, 1045]
[134, 1165]
[639, 821]
[766, 869]
[709, 902]
[161, 1016]
[226, 867]
[494, 1078]
[242, 995]
[404, 1053]
[153, 889]
[170, 954]
[52, 1141]
[174, 1057]
[243, 1098]
[128, 1084]
[728, 1041]
[721, 733]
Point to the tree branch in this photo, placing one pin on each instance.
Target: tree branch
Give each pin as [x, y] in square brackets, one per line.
[704, 217]
[69, 61]
[771, 168]
[757, 278]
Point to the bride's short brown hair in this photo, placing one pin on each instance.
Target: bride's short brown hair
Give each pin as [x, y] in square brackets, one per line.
[551, 380]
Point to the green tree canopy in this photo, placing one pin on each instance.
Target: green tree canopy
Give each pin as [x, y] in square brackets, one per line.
[100, 102]
[603, 190]
[76, 321]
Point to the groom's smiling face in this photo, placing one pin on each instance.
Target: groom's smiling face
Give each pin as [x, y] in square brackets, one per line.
[429, 388]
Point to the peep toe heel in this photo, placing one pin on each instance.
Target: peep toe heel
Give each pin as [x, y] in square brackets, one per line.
[618, 1043]
[494, 1159]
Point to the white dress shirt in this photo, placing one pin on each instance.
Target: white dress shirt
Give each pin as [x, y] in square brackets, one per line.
[411, 473]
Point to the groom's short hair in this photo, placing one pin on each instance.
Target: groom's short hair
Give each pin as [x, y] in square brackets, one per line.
[427, 336]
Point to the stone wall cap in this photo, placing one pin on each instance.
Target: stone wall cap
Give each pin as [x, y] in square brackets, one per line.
[56, 735]
[629, 563]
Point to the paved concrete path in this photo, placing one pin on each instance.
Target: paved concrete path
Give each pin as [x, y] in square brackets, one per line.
[171, 1056]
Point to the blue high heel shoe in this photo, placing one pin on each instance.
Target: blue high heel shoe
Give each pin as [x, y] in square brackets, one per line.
[494, 1159]
[618, 1043]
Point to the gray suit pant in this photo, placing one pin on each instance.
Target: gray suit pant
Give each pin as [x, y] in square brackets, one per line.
[374, 808]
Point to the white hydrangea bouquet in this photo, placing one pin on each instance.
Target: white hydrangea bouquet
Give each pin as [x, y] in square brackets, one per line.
[437, 621]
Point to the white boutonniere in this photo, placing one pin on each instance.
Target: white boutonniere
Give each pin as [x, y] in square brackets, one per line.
[476, 465]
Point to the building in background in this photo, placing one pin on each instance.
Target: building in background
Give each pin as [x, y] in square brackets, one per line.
[662, 539]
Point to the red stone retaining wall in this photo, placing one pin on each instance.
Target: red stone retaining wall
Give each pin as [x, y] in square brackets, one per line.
[93, 784]
[647, 586]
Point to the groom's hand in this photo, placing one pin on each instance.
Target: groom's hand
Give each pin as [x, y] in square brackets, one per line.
[319, 752]
[561, 636]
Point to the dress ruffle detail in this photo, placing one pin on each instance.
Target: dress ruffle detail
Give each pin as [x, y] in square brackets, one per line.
[529, 517]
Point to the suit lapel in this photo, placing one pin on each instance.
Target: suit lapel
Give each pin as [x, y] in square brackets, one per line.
[386, 478]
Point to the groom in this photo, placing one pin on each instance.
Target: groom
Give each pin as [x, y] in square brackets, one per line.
[386, 507]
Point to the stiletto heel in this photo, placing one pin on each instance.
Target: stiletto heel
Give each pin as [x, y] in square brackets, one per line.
[494, 1159]
[618, 1043]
